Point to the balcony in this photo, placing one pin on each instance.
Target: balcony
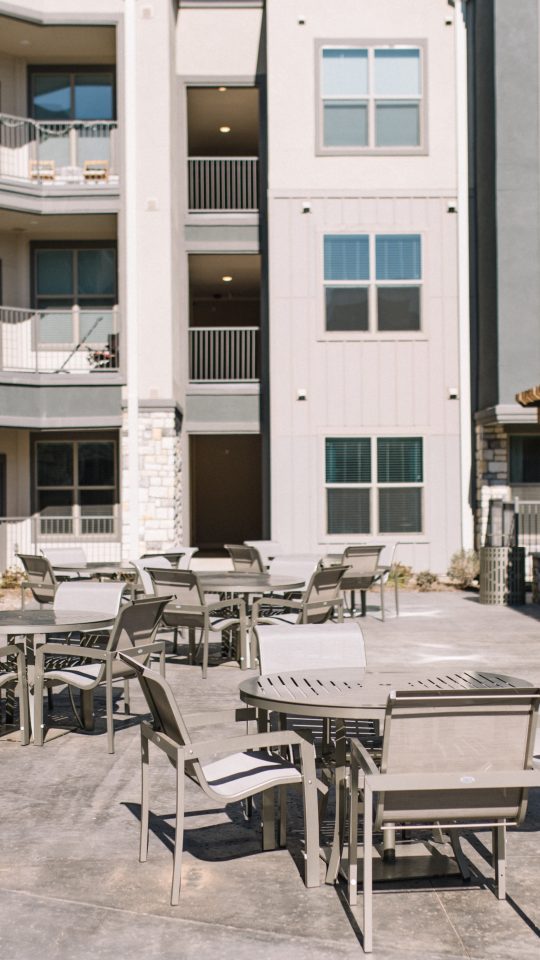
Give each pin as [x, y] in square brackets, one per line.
[58, 154]
[224, 355]
[218, 184]
[72, 341]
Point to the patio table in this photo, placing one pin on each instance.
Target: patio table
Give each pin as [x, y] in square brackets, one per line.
[351, 694]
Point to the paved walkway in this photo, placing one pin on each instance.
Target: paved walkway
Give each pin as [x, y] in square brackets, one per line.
[72, 886]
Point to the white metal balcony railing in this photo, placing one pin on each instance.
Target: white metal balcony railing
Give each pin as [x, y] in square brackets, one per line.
[58, 152]
[218, 184]
[99, 539]
[59, 341]
[223, 354]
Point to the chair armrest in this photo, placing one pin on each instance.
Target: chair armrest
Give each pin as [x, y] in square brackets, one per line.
[249, 741]
[274, 602]
[173, 608]
[482, 780]
[226, 605]
[74, 652]
[12, 649]
[361, 759]
[235, 715]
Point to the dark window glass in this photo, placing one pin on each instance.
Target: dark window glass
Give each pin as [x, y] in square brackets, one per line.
[85, 276]
[348, 510]
[399, 460]
[96, 464]
[85, 95]
[96, 272]
[58, 503]
[348, 460]
[93, 96]
[96, 502]
[51, 96]
[524, 459]
[400, 510]
[398, 308]
[346, 308]
[54, 464]
[54, 273]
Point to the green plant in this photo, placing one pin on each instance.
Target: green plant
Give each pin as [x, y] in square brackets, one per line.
[464, 567]
[401, 573]
[425, 580]
[11, 578]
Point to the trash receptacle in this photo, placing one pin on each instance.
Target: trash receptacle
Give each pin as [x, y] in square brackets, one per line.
[502, 575]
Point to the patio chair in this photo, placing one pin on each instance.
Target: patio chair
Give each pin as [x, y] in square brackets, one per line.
[363, 572]
[308, 646]
[13, 679]
[457, 759]
[245, 559]
[39, 579]
[144, 582]
[267, 549]
[194, 613]
[86, 668]
[320, 601]
[248, 765]
[96, 171]
[69, 556]
[386, 569]
[42, 170]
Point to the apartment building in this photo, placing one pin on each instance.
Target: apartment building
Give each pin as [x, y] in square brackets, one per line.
[233, 246]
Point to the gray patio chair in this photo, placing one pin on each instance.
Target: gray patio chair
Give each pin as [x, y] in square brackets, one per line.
[244, 558]
[363, 572]
[86, 668]
[144, 581]
[57, 556]
[455, 758]
[40, 579]
[226, 769]
[319, 603]
[195, 614]
[180, 557]
[267, 549]
[13, 680]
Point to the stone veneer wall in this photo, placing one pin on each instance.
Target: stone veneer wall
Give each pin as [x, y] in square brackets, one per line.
[492, 474]
[160, 480]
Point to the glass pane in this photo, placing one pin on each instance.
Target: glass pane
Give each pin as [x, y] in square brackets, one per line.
[51, 96]
[344, 72]
[53, 144]
[399, 460]
[56, 503]
[96, 465]
[397, 125]
[397, 73]
[96, 272]
[54, 272]
[400, 510]
[346, 258]
[346, 308]
[398, 257]
[398, 308]
[55, 327]
[345, 124]
[97, 503]
[348, 460]
[524, 459]
[94, 96]
[54, 464]
[95, 325]
[348, 510]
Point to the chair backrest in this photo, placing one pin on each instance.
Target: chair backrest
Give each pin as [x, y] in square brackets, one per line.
[173, 556]
[324, 585]
[362, 561]
[267, 549]
[309, 646]
[89, 595]
[69, 555]
[457, 731]
[245, 559]
[142, 565]
[40, 577]
[182, 585]
[136, 624]
[185, 561]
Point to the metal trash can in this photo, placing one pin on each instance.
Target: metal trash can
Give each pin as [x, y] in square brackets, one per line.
[502, 575]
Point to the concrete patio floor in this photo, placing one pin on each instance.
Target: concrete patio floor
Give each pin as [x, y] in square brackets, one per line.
[72, 886]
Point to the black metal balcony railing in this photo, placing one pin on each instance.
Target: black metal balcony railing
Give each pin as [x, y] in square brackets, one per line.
[58, 152]
[223, 354]
[59, 341]
[218, 184]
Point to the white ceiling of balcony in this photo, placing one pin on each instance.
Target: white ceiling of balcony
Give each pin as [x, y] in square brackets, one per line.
[210, 108]
[38, 44]
[206, 272]
[99, 227]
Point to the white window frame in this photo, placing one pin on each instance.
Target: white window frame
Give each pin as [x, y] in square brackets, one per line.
[371, 98]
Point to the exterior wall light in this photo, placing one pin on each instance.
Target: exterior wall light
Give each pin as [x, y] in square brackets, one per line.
[224, 129]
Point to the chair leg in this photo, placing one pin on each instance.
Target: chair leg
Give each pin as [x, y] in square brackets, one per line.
[382, 598]
[179, 835]
[127, 705]
[205, 640]
[499, 855]
[353, 838]
[363, 601]
[396, 594]
[191, 645]
[24, 712]
[283, 816]
[368, 870]
[268, 820]
[38, 709]
[145, 777]
[242, 641]
[109, 711]
[175, 641]
[50, 699]
[311, 820]
[461, 859]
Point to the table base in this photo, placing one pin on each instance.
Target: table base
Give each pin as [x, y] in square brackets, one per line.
[415, 860]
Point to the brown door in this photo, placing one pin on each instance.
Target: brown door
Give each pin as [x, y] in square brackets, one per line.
[225, 489]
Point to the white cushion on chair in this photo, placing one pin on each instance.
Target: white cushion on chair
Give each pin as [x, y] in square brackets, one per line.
[243, 772]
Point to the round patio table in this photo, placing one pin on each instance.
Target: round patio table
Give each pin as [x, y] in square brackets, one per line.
[109, 568]
[232, 581]
[342, 694]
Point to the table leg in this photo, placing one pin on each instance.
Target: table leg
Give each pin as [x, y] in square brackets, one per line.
[341, 803]
[87, 709]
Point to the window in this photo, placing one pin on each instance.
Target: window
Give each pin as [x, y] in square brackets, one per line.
[72, 94]
[353, 506]
[76, 486]
[525, 459]
[354, 291]
[371, 99]
[65, 275]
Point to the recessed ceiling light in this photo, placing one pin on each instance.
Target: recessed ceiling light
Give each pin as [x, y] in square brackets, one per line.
[222, 89]
[224, 129]
[24, 43]
[226, 279]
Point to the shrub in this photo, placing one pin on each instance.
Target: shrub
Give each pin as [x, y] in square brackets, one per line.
[464, 568]
[401, 573]
[11, 578]
[425, 580]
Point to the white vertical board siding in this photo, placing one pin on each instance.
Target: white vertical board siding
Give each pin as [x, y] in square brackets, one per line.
[361, 384]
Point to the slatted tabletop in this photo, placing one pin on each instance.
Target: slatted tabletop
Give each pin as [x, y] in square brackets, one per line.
[356, 694]
[231, 581]
[30, 622]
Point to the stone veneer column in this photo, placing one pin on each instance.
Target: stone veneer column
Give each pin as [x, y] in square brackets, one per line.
[492, 472]
[160, 477]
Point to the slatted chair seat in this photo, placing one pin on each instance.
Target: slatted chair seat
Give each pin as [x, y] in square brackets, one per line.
[249, 773]
[319, 603]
